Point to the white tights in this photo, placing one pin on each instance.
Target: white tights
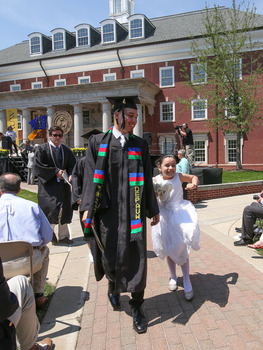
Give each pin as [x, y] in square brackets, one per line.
[185, 270]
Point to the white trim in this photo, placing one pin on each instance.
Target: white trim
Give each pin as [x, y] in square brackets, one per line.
[204, 109]
[57, 81]
[192, 75]
[83, 78]
[79, 27]
[227, 138]
[36, 83]
[103, 24]
[15, 87]
[138, 71]
[108, 75]
[202, 137]
[160, 76]
[39, 36]
[161, 111]
[57, 31]
[133, 18]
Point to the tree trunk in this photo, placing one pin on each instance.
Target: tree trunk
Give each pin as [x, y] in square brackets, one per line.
[238, 152]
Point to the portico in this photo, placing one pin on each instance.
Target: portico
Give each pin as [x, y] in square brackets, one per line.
[78, 108]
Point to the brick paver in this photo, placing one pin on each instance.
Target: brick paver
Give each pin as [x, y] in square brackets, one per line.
[226, 312]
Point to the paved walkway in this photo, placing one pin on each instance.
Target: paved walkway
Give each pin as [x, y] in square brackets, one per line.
[226, 312]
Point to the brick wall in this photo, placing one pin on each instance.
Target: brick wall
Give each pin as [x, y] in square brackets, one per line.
[223, 190]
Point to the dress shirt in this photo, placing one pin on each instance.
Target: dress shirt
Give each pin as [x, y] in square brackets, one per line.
[120, 136]
[21, 219]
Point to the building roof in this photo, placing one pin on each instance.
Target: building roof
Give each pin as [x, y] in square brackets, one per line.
[168, 28]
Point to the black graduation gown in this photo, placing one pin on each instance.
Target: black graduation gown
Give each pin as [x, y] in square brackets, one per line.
[52, 195]
[127, 260]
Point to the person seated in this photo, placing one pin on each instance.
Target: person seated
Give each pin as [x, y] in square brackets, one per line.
[183, 165]
[251, 213]
[18, 315]
[21, 219]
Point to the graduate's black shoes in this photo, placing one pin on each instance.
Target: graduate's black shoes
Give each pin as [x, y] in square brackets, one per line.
[115, 301]
[139, 320]
[243, 242]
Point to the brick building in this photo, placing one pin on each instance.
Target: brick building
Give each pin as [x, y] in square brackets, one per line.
[68, 76]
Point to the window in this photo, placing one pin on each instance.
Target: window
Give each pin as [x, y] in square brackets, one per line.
[86, 119]
[167, 147]
[137, 73]
[108, 33]
[232, 107]
[83, 80]
[35, 45]
[166, 76]
[83, 37]
[60, 82]
[234, 69]
[19, 121]
[201, 148]
[15, 87]
[198, 74]
[117, 5]
[58, 41]
[109, 77]
[199, 109]
[136, 28]
[230, 148]
[167, 111]
[37, 85]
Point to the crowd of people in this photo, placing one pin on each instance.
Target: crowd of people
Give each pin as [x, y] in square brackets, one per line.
[113, 188]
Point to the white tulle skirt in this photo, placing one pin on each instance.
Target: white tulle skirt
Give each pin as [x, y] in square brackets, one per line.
[177, 232]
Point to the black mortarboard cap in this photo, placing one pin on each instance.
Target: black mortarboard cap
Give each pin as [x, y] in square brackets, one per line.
[92, 132]
[119, 103]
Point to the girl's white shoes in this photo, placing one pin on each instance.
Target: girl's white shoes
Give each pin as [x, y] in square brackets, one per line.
[172, 285]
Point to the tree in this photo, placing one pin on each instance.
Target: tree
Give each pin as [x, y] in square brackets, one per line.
[227, 70]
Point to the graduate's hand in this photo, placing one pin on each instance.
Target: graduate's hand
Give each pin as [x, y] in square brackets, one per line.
[84, 217]
[155, 220]
[60, 174]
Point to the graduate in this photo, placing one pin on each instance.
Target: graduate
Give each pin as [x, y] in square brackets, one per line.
[117, 198]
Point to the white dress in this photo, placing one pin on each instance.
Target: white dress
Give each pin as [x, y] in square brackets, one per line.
[178, 229]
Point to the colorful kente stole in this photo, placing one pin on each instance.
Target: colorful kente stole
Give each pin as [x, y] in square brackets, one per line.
[136, 183]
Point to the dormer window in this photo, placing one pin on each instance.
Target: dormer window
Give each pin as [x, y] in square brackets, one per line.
[58, 41]
[38, 44]
[83, 37]
[112, 31]
[35, 47]
[108, 33]
[136, 28]
[140, 27]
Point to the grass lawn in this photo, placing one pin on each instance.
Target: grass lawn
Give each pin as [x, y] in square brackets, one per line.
[31, 196]
[241, 175]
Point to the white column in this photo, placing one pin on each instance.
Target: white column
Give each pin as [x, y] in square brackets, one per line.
[138, 128]
[78, 126]
[2, 121]
[26, 114]
[106, 116]
[50, 113]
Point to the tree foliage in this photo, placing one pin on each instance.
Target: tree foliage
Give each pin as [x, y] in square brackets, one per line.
[227, 55]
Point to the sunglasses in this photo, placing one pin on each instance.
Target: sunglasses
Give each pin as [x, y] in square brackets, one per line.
[57, 135]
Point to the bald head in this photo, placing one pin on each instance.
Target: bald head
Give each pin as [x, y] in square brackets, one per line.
[10, 183]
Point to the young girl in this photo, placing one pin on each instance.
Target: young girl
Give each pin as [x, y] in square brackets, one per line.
[178, 229]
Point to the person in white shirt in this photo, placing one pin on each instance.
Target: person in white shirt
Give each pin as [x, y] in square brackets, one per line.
[21, 219]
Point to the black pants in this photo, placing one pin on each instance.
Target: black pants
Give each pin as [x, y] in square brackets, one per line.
[250, 214]
[137, 297]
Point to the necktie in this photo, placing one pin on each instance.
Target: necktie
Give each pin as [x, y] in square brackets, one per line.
[122, 140]
[59, 154]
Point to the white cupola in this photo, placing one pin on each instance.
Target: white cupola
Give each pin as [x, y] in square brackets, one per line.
[121, 10]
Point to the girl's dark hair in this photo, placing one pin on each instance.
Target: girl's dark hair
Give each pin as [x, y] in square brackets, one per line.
[159, 161]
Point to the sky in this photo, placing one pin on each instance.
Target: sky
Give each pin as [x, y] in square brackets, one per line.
[19, 18]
